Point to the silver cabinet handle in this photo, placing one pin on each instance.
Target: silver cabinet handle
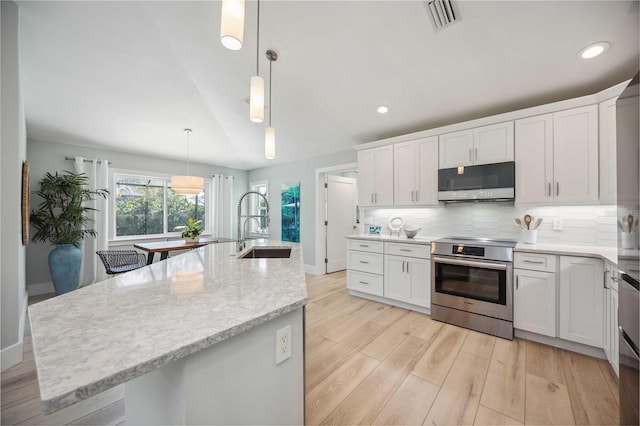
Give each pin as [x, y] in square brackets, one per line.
[403, 266]
[364, 282]
[549, 189]
[372, 198]
[517, 281]
[417, 196]
[364, 245]
[476, 151]
[376, 197]
[604, 276]
[407, 267]
[362, 261]
[536, 262]
[469, 154]
[411, 195]
[405, 249]
[557, 189]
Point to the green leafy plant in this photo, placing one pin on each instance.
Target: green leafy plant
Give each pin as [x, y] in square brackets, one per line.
[61, 217]
[192, 229]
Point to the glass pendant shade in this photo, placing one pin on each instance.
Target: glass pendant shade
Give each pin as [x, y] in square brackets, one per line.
[256, 99]
[232, 24]
[270, 143]
[187, 185]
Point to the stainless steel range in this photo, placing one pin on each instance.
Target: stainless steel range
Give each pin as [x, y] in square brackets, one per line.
[472, 284]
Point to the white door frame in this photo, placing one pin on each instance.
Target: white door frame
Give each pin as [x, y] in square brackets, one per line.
[320, 200]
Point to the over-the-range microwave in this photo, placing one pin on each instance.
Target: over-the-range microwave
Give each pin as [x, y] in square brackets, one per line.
[495, 181]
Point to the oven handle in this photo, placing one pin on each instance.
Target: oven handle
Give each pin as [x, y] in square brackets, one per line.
[474, 264]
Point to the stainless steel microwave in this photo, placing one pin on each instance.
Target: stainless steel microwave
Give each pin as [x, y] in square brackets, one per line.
[495, 181]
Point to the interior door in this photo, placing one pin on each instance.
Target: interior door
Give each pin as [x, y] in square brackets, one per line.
[340, 220]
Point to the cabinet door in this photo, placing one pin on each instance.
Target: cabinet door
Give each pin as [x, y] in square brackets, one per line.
[575, 155]
[397, 283]
[534, 302]
[383, 176]
[534, 159]
[615, 349]
[456, 149]
[493, 144]
[404, 173]
[426, 154]
[581, 300]
[420, 281]
[607, 113]
[607, 338]
[366, 165]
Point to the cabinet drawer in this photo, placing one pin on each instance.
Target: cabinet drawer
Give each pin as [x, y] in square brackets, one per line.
[421, 251]
[365, 282]
[366, 245]
[535, 262]
[365, 262]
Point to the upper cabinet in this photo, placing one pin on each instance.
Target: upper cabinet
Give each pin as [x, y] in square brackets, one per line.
[557, 157]
[375, 176]
[416, 172]
[607, 112]
[482, 145]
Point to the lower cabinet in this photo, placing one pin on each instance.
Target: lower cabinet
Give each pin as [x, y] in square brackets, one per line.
[534, 302]
[611, 336]
[582, 300]
[407, 279]
[364, 266]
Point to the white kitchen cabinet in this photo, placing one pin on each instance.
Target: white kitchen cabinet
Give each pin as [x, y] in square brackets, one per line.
[365, 262]
[407, 275]
[534, 302]
[607, 115]
[482, 145]
[375, 176]
[611, 337]
[416, 172]
[557, 157]
[582, 300]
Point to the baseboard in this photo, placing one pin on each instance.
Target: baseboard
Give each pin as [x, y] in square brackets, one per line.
[39, 289]
[396, 303]
[314, 269]
[13, 354]
[562, 344]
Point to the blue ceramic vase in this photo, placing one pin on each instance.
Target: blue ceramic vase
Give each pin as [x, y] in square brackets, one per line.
[64, 267]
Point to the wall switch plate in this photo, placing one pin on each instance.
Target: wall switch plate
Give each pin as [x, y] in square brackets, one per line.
[283, 344]
[557, 224]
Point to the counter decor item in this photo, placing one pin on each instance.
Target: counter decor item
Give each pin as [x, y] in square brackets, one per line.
[374, 230]
[628, 226]
[191, 231]
[61, 219]
[529, 226]
[409, 231]
[395, 225]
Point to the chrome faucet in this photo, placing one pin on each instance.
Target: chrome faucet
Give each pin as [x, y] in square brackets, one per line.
[241, 244]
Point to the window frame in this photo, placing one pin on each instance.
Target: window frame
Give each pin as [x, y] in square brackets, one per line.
[253, 209]
[166, 178]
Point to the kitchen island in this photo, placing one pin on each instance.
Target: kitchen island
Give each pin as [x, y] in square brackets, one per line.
[193, 339]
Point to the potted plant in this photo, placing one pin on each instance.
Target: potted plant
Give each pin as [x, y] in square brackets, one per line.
[61, 219]
[191, 231]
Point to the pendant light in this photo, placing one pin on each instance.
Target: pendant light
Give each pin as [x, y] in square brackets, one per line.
[256, 92]
[270, 132]
[187, 185]
[232, 24]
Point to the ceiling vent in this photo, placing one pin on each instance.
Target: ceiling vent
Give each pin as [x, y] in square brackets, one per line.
[442, 13]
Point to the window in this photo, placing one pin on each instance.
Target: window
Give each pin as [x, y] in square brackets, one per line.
[146, 205]
[258, 225]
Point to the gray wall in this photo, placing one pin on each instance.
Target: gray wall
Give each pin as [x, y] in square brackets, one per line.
[13, 153]
[304, 172]
[50, 157]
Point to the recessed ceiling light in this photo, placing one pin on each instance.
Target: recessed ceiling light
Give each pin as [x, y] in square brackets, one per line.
[595, 49]
[383, 109]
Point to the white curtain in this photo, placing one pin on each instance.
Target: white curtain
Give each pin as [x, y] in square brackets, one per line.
[97, 171]
[222, 206]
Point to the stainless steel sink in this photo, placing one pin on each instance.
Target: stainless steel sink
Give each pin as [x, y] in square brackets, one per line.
[268, 253]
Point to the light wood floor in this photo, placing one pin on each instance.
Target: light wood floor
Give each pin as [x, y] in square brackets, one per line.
[369, 363]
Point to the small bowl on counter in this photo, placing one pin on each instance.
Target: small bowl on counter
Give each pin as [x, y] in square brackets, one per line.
[410, 232]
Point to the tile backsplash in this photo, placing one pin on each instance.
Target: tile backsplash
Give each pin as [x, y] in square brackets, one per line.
[581, 225]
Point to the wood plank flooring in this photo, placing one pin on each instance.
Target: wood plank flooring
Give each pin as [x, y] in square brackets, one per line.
[370, 363]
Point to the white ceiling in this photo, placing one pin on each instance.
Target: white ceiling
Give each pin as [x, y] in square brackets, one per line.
[131, 75]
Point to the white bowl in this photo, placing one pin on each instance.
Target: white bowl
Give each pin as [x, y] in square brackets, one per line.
[411, 232]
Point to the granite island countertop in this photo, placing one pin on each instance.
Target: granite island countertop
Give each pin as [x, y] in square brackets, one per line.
[110, 332]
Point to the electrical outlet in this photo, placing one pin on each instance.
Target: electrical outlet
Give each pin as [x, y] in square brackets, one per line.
[557, 224]
[283, 344]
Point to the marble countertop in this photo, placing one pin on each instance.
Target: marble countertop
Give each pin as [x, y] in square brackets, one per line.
[419, 239]
[606, 253]
[108, 333]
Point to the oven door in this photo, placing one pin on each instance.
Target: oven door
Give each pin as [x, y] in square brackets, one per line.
[481, 287]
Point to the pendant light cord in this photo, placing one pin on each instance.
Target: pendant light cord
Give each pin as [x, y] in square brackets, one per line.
[270, 106]
[258, 42]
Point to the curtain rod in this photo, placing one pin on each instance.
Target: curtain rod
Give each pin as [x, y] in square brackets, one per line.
[85, 160]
